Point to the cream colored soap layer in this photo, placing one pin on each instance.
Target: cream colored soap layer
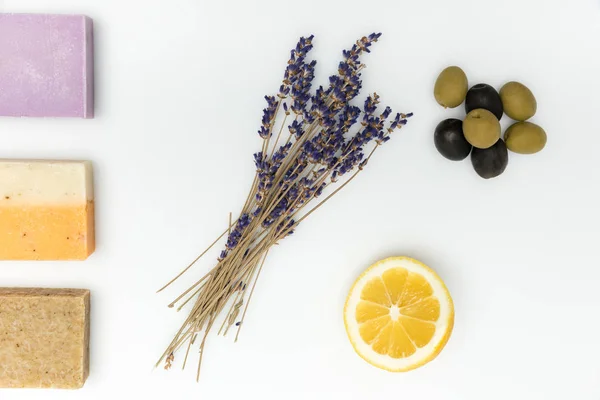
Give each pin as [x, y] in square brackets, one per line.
[44, 338]
[26, 182]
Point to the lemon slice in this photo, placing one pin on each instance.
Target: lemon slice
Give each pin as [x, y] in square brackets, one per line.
[399, 314]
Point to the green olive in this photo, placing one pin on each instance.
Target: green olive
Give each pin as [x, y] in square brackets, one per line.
[451, 87]
[518, 101]
[525, 138]
[481, 128]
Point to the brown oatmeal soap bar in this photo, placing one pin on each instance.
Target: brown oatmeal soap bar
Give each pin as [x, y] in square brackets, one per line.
[44, 338]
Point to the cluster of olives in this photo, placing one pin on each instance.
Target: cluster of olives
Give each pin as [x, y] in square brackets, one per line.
[479, 134]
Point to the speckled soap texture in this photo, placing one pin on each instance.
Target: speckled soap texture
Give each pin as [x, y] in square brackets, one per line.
[46, 66]
[46, 210]
[44, 338]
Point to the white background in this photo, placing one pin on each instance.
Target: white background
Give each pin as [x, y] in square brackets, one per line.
[179, 97]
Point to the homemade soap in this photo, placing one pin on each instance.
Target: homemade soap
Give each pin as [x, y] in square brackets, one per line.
[46, 210]
[44, 338]
[46, 66]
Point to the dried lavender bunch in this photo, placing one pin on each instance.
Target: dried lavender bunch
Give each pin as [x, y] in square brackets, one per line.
[311, 141]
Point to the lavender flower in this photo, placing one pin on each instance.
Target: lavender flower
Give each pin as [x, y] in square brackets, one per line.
[278, 158]
[286, 225]
[268, 117]
[297, 129]
[236, 233]
[296, 61]
[329, 137]
[348, 118]
[265, 178]
[300, 92]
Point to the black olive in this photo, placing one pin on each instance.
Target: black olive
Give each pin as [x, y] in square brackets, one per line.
[450, 141]
[486, 97]
[490, 162]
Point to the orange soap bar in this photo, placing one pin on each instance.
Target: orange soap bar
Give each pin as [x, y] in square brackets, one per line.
[44, 338]
[46, 210]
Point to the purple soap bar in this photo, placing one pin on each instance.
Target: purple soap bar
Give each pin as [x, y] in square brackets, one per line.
[46, 66]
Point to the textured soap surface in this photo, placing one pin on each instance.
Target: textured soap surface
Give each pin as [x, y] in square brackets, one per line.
[44, 338]
[46, 210]
[46, 66]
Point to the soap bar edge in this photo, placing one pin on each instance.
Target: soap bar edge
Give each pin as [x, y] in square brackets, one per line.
[89, 107]
[37, 291]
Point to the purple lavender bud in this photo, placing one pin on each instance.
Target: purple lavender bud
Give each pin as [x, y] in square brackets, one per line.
[296, 128]
[244, 221]
[263, 132]
[335, 81]
[374, 36]
[319, 191]
[344, 69]
[386, 113]
[292, 70]
[337, 95]
[266, 119]
[283, 91]
[308, 117]
[334, 176]
[320, 95]
[370, 106]
[271, 101]
[258, 159]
